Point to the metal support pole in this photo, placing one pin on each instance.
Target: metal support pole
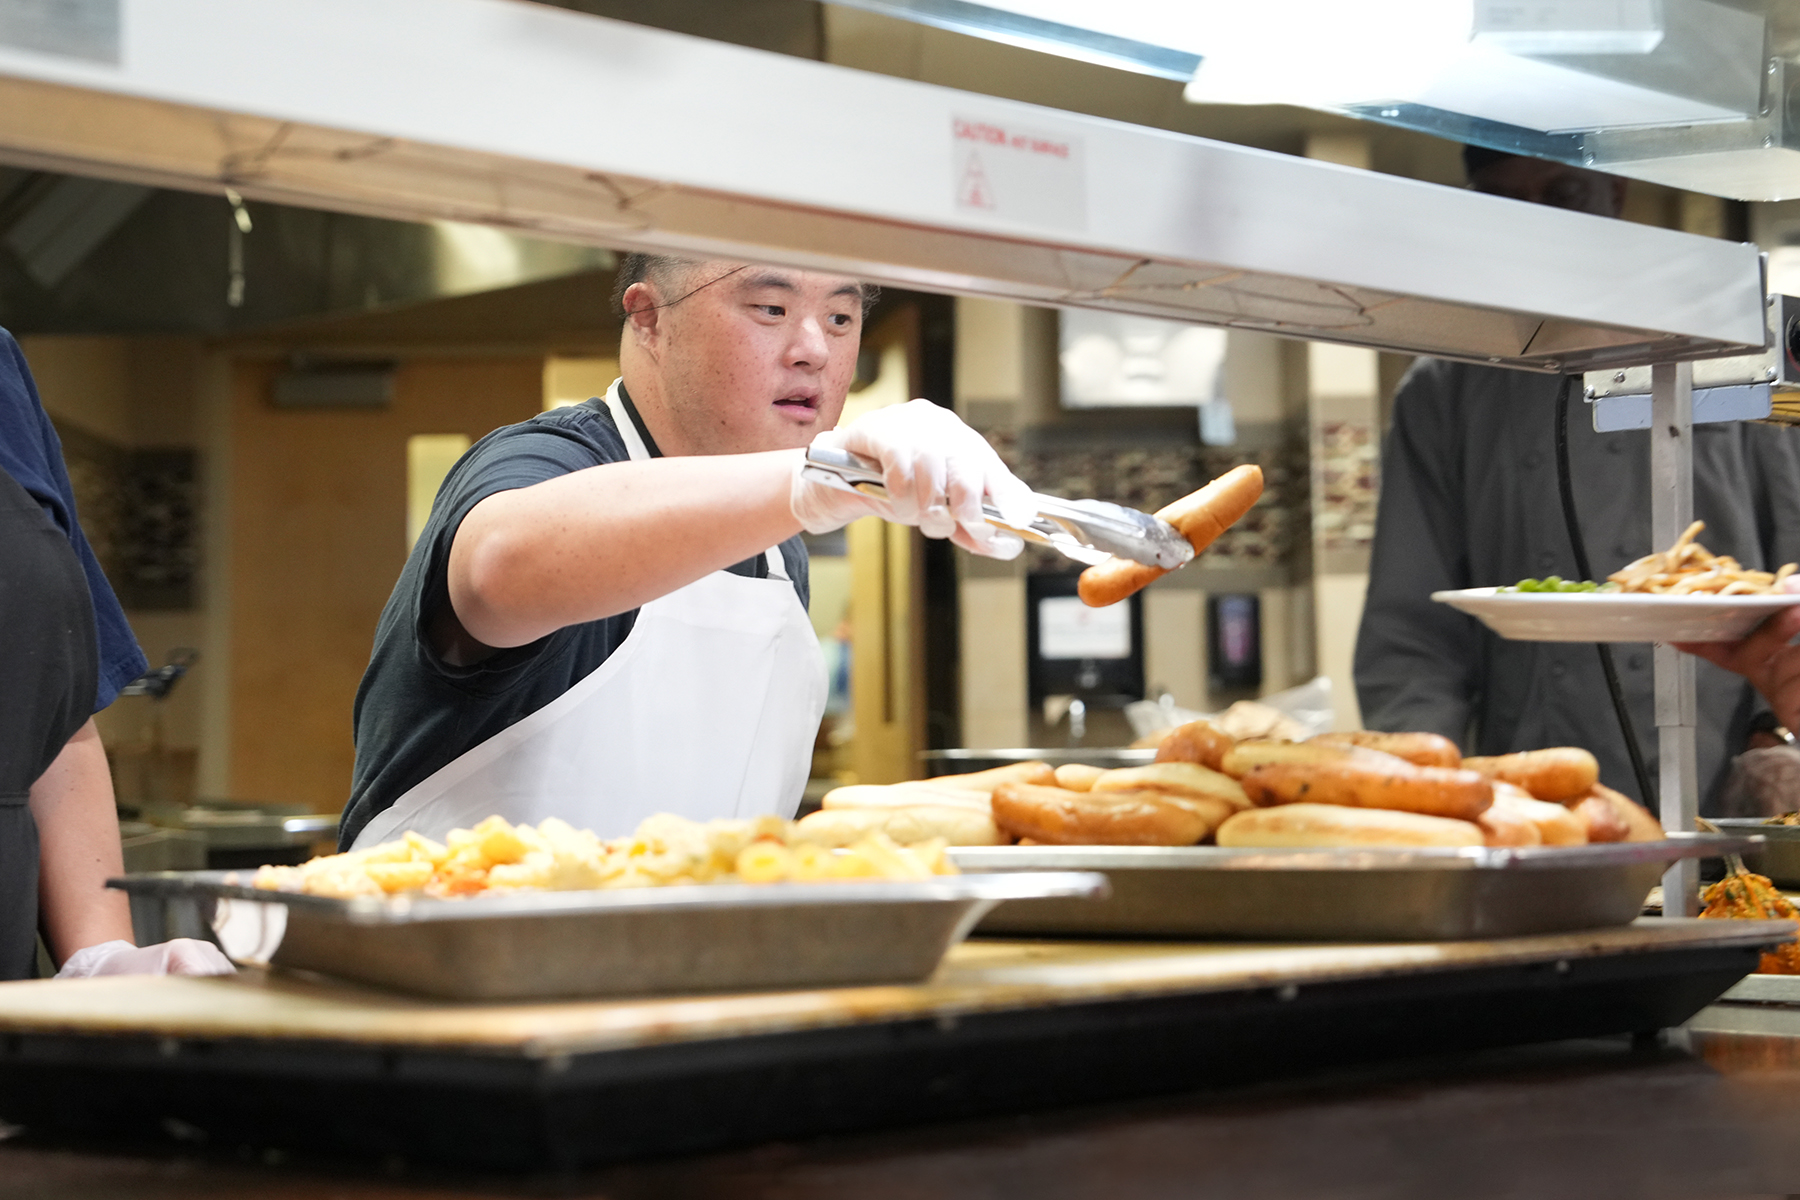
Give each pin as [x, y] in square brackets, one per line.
[1671, 511]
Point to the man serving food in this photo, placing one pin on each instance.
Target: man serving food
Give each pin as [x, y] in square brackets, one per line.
[605, 616]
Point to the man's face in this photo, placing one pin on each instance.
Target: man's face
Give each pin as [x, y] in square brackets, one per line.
[750, 357]
[1556, 184]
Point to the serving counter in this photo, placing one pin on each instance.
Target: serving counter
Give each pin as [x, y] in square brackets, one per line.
[294, 1065]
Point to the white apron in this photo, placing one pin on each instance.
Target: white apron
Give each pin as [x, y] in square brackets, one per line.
[708, 709]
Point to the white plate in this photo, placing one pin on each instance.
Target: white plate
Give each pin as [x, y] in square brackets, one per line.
[1615, 616]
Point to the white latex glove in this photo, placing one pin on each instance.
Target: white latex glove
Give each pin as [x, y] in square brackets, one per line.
[182, 956]
[936, 470]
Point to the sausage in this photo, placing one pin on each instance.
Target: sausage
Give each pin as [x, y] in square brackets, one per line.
[1434, 791]
[1561, 773]
[1601, 821]
[1200, 517]
[1644, 825]
[1196, 742]
[1059, 817]
[1504, 825]
[1245, 756]
[1420, 749]
[1640, 824]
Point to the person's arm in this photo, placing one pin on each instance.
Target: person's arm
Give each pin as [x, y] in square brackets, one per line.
[589, 544]
[79, 849]
[604, 540]
[1418, 663]
[1766, 658]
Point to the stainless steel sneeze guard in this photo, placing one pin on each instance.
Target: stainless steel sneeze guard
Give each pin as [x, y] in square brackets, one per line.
[632, 941]
[1425, 894]
[373, 108]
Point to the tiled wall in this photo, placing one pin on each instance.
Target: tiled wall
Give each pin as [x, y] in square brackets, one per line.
[1147, 479]
[139, 510]
[1348, 471]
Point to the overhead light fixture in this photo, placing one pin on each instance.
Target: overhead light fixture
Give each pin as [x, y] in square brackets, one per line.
[1129, 36]
[1550, 66]
[1569, 26]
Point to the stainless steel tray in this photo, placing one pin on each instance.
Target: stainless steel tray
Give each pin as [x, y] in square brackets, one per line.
[1779, 855]
[1425, 894]
[632, 941]
[963, 762]
[1765, 989]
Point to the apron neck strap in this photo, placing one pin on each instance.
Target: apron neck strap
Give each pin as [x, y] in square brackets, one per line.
[628, 431]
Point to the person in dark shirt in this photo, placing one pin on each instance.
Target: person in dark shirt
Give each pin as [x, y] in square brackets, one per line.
[605, 616]
[1469, 499]
[65, 651]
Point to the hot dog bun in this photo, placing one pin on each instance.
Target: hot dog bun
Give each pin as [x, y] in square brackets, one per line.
[833, 827]
[1181, 779]
[1078, 777]
[1245, 757]
[1335, 825]
[1420, 749]
[1200, 517]
[1197, 742]
[1561, 773]
[1059, 817]
[1556, 825]
[1434, 791]
[986, 781]
[903, 795]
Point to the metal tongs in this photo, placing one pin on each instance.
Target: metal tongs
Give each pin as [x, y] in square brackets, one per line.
[1089, 531]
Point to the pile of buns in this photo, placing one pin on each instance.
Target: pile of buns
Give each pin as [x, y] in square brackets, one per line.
[1339, 789]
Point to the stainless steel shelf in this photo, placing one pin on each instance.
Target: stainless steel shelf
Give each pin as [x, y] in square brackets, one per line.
[524, 116]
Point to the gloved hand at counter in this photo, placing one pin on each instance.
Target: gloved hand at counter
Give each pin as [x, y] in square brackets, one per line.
[179, 956]
[936, 470]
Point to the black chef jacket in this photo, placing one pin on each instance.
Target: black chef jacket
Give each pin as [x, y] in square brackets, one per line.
[1469, 498]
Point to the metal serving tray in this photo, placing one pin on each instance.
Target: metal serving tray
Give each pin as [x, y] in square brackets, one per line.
[1425, 894]
[963, 762]
[1779, 855]
[632, 941]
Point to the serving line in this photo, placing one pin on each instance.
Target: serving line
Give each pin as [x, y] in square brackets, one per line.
[1004, 1026]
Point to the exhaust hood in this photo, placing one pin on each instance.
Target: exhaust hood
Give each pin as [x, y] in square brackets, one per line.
[578, 128]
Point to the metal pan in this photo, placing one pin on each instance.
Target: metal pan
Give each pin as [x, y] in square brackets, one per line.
[635, 941]
[963, 762]
[1779, 855]
[1424, 894]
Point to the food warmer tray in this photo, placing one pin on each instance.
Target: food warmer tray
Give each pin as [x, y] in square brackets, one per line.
[965, 762]
[1779, 855]
[631, 941]
[1435, 893]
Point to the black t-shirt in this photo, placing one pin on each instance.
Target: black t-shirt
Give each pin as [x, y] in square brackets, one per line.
[414, 712]
[32, 454]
